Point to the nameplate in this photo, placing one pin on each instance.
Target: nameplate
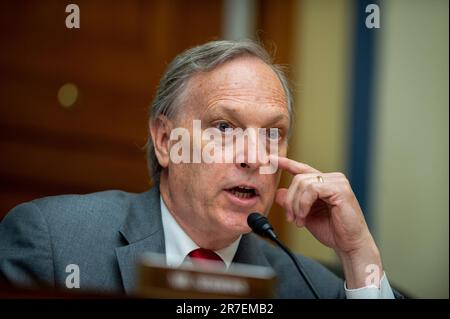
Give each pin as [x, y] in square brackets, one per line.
[157, 280]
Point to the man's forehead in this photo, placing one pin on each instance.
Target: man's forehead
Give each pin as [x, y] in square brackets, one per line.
[243, 79]
[242, 71]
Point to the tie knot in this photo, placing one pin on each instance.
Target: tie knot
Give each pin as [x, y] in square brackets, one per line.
[203, 257]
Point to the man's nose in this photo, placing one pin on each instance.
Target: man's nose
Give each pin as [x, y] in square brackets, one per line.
[252, 154]
[251, 162]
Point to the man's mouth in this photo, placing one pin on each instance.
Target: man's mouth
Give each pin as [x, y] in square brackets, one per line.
[243, 192]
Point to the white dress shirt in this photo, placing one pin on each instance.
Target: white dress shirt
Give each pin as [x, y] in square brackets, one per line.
[179, 245]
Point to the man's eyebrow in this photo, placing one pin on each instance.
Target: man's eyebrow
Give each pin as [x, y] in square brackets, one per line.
[279, 118]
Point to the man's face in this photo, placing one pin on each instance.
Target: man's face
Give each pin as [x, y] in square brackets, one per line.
[242, 93]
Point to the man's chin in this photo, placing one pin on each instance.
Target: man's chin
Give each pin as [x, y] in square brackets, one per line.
[239, 227]
[234, 221]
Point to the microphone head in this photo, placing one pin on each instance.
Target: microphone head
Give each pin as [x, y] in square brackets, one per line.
[259, 224]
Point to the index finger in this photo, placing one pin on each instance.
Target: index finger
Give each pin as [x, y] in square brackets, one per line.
[292, 166]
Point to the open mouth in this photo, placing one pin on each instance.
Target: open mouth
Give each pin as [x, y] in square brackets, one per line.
[243, 192]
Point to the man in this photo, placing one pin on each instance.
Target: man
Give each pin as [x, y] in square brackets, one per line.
[223, 85]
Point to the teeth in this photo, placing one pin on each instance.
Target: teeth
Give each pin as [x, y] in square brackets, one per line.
[241, 195]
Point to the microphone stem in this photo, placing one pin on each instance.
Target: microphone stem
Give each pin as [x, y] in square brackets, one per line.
[298, 265]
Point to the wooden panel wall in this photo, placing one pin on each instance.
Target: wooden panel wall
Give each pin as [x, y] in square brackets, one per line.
[115, 59]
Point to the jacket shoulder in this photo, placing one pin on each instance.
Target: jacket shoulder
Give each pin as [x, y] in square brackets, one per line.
[39, 238]
[109, 206]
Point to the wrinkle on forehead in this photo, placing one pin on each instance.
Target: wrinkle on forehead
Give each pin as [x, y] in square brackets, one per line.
[270, 96]
[245, 79]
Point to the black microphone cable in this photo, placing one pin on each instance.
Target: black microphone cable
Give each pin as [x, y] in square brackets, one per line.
[261, 226]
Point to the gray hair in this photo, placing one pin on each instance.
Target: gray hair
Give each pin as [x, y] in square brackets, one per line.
[202, 58]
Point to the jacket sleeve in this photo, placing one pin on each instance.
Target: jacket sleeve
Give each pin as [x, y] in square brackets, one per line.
[26, 256]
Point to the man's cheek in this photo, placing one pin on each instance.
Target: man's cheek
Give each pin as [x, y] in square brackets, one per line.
[282, 149]
[272, 183]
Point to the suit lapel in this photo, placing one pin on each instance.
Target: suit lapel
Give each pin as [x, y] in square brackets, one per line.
[128, 256]
[143, 232]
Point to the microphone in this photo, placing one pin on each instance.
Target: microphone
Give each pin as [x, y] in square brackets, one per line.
[261, 226]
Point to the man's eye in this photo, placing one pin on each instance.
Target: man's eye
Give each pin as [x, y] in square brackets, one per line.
[273, 133]
[222, 126]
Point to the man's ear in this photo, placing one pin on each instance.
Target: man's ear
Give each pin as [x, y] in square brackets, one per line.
[160, 129]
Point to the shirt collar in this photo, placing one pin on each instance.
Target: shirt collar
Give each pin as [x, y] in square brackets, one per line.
[179, 244]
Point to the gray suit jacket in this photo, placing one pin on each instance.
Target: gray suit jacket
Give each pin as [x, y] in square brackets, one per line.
[103, 233]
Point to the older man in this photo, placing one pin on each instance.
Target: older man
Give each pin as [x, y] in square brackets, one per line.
[201, 206]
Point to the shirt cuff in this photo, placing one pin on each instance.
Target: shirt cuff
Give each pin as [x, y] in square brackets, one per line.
[371, 292]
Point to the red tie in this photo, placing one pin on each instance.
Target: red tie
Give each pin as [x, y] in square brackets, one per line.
[202, 257]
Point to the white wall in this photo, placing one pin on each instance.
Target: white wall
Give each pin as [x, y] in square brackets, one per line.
[323, 46]
[410, 175]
